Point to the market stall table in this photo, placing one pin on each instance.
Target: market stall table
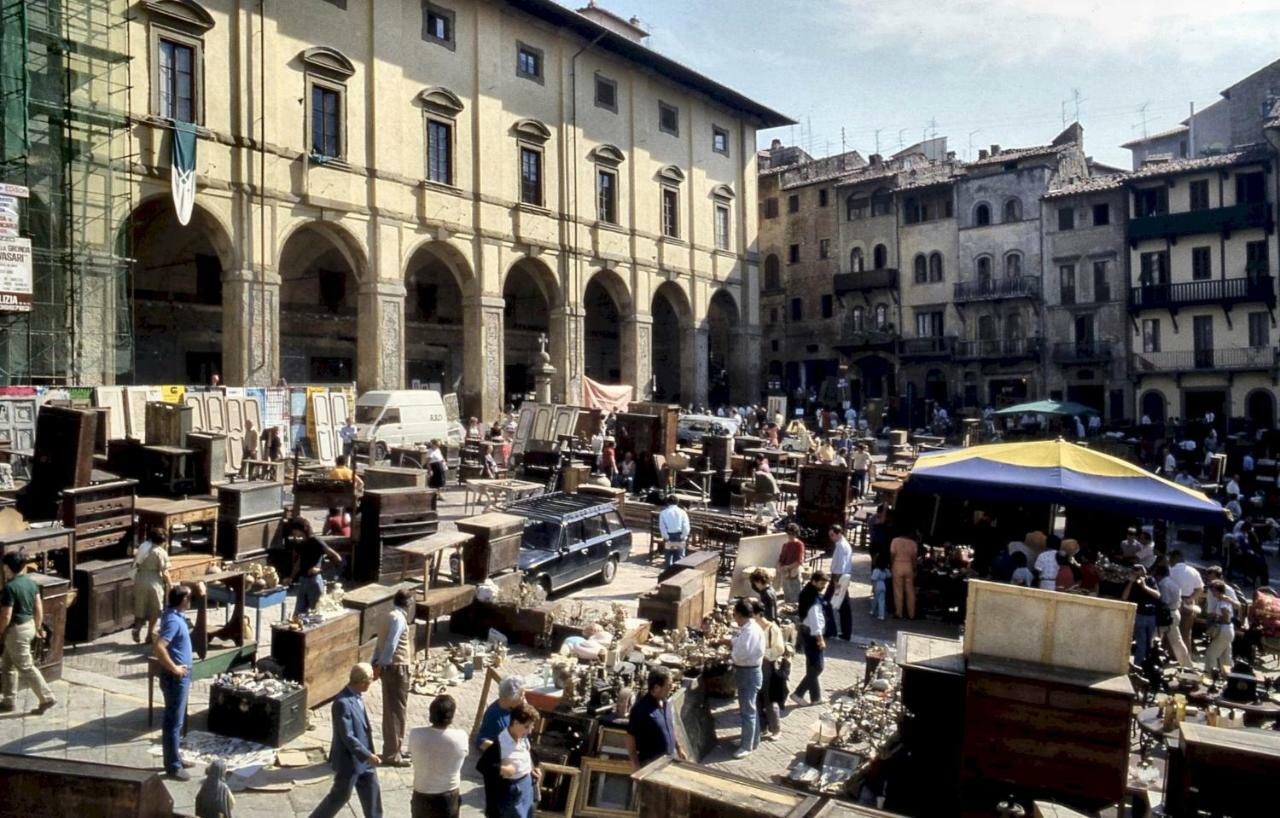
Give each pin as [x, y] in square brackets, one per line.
[164, 514]
[430, 549]
[499, 491]
[252, 599]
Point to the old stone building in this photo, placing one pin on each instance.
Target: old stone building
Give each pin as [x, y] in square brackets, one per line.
[1085, 290]
[413, 192]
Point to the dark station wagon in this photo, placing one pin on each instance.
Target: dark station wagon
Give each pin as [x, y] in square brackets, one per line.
[569, 538]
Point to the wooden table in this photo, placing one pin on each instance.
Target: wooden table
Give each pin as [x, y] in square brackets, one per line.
[190, 567]
[887, 490]
[499, 492]
[252, 599]
[430, 549]
[163, 513]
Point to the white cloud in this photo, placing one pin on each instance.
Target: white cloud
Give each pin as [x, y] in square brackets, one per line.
[1011, 32]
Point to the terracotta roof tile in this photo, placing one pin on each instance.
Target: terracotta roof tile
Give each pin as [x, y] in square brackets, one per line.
[1256, 152]
[1015, 154]
[1177, 129]
[1086, 185]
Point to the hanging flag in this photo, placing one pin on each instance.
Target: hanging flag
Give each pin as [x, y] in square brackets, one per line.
[182, 169]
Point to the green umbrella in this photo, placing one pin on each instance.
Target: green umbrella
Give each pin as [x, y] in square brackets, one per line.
[1048, 407]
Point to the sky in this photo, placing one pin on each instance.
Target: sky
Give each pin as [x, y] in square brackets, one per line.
[980, 73]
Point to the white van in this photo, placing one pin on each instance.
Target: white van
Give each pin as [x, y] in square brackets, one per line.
[402, 417]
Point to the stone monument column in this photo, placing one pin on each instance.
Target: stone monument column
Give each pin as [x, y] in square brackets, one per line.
[566, 353]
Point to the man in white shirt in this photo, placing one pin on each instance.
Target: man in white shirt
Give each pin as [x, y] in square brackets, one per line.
[1190, 586]
[438, 753]
[1233, 486]
[1146, 556]
[841, 574]
[812, 629]
[747, 654]
[393, 665]
[862, 474]
[1047, 569]
[673, 525]
[1170, 463]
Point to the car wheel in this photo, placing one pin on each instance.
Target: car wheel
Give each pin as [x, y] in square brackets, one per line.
[380, 452]
[609, 572]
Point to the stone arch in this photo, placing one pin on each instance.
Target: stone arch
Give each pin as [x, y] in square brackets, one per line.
[857, 262]
[723, 354]
[1260, 408]
[981, 214]
[437, 282]
[176, 292]
[673, 347]
[1153, 405]
[606, 302]
[530, 293]
[321, 266]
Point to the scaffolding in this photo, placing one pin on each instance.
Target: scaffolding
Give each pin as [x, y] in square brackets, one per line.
[65, 95]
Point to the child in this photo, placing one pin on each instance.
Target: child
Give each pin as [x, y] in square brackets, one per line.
[880, 575]
[1021, 574]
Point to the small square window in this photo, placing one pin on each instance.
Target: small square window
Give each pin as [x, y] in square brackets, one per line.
[719, 140]
[1199, 193]
[1101, 214]
[774, 343]
[771, 207]
[1066, 218]
[529, 62]
[668, 119]
[437, 25]
[606, 93]
[1201, 263]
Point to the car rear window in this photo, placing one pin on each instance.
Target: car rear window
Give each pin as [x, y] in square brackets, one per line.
[540, 534]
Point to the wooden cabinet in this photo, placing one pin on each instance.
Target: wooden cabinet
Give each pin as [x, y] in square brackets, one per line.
[494, 546]
[1223, 772]
[101, 517]
[389, 517]
[54, 593]
[374, 604]
[61, 788]
[1044, 731]
[51, 548]
[824, 496]
[104, 599]
[320, 656]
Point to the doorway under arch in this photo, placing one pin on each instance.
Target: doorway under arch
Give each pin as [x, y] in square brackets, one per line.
[722, 324]
[320, 274]
[526, 316]
[1153, 406]
[601, 333]
[1260, 404]
[672, 319]
[434, 339]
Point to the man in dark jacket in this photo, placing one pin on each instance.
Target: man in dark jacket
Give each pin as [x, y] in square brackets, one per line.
[351, 754]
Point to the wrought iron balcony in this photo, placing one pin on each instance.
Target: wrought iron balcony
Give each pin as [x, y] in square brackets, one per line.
[1227, 360]
[998, 288]
[1082, 352]
[863, 340]
[884, 278]
[1010, 349]
[1224, 291]
[1209, 220]
[934, 346]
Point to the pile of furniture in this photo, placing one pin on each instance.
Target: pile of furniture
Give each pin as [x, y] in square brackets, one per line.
[685, 593]
[389, 517]
[250, 514]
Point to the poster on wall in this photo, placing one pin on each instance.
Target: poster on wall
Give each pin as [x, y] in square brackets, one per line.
[15, 275]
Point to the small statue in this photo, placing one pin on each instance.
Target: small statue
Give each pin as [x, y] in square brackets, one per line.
[214, 800]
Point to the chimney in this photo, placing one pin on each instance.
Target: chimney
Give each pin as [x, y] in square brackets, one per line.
[876, 159]
[631, 29]
[995, 150]
[775, 145]
[982, 154]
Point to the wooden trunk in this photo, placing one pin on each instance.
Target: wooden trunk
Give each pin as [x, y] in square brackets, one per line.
[249, 500]
[706, 563]
[104, 599]
[392, 477]
[61, 788]
[494, 547]
[1220, 771]
[667, 614]
[101, 516]
[1044, 731]
[270, 721]
[54, 592]
[667, 788]
[320, 657]
[209, 463]
[168, 424]
[374, 604]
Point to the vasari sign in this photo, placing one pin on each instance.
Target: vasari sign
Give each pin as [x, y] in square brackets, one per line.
[15, 275]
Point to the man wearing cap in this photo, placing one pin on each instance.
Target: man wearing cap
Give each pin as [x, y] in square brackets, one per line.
[355, 765]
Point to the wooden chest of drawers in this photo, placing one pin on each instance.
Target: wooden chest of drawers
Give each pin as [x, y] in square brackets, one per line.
[320, 657]
[389, 517]
[104, 599]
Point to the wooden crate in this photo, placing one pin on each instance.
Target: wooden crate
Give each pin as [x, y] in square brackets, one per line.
[668, 614]
[321, 657]
[1045, 627]
[61, 788]
[682, 789]
[374, 603]
[1048, 732]
[495, 544]
[681, 585]
[393, 477]
[1221, 771]
[104, 599]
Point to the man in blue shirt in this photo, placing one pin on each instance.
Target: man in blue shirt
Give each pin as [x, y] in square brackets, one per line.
[651, 728]
[172, 651]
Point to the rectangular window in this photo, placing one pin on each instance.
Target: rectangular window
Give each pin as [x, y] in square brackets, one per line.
[606, 93]
[1154, 268]
[1066, 218]
[793, 254]
[719, 140]
[1151, 335]
[771, 208]
[177, 81]
[797, 309]
[528, 62]
[326, 113]
[1200, 194]
[1259, 329]
[439, 152]
[1251, 188]
[827, 306]
[1152, 201]
[1067, 282]
[607, 196]
[929, 324]
[1101, 284]
[670, 213]
[1101, 214]
[668, 119]
[824, 248]
[1201, 264]
[437, 25]
[793, 203]
[531, 176]
[722, 227]
[822, 197]
[856, 208]
[1255, 259]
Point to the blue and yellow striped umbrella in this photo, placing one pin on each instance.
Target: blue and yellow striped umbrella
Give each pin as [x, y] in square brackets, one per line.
[1055, 471]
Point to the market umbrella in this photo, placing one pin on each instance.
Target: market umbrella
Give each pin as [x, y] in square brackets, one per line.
[1066, 474]
[1049, 407]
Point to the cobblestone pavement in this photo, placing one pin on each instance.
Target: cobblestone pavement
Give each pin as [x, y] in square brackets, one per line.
[102, 715]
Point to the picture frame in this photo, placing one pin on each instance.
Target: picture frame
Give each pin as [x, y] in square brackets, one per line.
[524, 427]
[552, 721]
[611, 742]
[606, 790]
[565, 786]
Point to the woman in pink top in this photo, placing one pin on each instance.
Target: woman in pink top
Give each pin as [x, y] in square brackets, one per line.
[903, 550]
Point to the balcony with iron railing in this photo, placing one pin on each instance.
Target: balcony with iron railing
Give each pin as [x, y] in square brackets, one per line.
[991, 289]
[865, 280]
[855, 339]
[927, 347]
[1003, 349]
[1233, 359]
[1208, 220]
[1082, 352]
[1259, 289]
